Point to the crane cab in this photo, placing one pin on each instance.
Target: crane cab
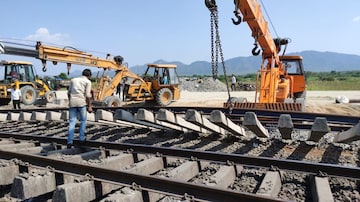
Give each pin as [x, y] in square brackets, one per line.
[294, 72]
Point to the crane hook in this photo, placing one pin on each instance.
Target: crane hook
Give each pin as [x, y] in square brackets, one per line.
[237, 15]
[44, 65]
[255, 51]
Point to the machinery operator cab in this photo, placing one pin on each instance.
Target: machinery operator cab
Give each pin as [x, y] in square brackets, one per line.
[164, 74]
[293, 67]
[21, 71]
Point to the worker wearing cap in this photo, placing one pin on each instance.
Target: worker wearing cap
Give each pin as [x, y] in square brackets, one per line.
[79, 94]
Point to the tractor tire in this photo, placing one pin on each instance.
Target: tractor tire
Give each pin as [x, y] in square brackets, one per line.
[28, 95]
[164, 97]
[50, 96]
[113, 101]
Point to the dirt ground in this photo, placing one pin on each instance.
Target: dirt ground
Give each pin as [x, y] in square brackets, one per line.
[316, 101]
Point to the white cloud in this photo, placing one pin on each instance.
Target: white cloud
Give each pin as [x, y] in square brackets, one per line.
[43, 35]
[356, 19]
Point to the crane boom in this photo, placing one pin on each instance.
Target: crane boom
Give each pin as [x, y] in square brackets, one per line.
[67, 55]
[276, 84]
[252, 14]
[73, 56]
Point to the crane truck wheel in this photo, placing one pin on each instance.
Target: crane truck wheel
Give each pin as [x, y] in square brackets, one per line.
[28, 95]
[300, 95]
[50, 96]
[105, 99]
[113, 101]
[233, 100]
[164, 97]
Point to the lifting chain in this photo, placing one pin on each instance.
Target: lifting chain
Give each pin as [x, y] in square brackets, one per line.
[215, 37]
[216, 48]
[214, 60]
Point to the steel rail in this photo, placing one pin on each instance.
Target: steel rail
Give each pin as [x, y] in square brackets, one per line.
[155, 184]
[291, 165]
[283, 164]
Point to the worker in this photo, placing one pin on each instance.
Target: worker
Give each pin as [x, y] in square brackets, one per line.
[126, 86]
[233, 82]
[119, 87]
[16, 95]
[165, 80]
[79, 94]
[12, 76]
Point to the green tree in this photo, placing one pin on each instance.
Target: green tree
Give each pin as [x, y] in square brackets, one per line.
[63, 76]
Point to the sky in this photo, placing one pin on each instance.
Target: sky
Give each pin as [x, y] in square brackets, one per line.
[143, 31]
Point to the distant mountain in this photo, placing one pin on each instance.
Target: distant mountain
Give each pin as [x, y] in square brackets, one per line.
[313, 61]
[329, 61]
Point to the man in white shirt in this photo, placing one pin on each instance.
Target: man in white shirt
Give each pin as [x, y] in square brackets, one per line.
[79, 94]
[233, 82]
[16, 96]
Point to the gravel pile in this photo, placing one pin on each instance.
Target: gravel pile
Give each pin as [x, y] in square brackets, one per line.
[205, 84]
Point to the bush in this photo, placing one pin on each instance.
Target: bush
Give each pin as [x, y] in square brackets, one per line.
[326, 78]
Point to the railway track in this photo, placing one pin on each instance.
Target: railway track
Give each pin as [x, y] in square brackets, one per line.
[208, 166]
[234, 114]
[165, 173]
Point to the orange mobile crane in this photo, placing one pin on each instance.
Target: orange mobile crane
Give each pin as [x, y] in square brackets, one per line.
[149, 87]
[281, 80]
